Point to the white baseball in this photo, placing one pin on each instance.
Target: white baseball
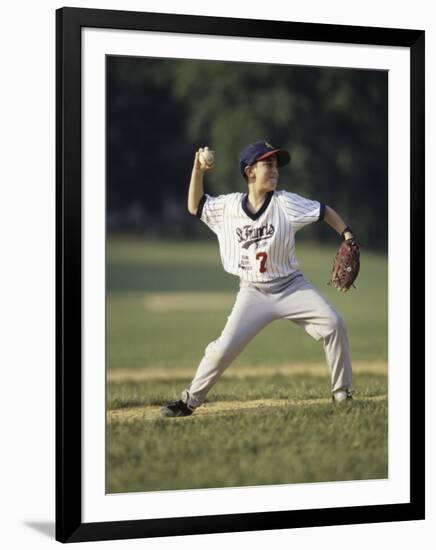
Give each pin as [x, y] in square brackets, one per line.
[207, 157]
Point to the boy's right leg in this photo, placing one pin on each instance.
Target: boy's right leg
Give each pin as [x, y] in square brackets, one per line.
[251, 312]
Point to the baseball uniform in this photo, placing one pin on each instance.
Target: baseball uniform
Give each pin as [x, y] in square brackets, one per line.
[260, 249]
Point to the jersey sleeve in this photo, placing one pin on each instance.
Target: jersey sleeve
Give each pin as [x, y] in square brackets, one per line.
[301, 211]
[211, 211]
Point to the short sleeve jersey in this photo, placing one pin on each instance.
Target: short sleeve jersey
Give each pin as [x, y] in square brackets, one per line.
[258, 247]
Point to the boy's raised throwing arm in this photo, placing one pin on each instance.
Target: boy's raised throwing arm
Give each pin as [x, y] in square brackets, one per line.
[196, 188]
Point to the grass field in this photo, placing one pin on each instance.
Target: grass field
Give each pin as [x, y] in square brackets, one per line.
[269, 420]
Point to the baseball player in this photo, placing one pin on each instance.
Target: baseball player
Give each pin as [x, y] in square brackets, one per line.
[256, 235]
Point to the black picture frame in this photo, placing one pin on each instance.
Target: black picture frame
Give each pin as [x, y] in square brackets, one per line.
[69, 524]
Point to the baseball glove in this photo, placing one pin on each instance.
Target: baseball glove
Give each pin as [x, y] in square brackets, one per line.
[346, 265]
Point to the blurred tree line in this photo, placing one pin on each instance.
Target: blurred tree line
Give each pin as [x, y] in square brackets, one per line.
[159, 111]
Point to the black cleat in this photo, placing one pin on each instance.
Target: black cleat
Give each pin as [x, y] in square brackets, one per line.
[176, 408]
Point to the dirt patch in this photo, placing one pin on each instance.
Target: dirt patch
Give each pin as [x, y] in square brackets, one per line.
[149, 413]
[189, 301]
[241, 371]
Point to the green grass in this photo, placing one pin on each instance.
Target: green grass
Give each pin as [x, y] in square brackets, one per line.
[138, 338]
[286, 444]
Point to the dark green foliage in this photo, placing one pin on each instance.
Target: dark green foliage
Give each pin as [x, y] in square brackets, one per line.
[333, 121]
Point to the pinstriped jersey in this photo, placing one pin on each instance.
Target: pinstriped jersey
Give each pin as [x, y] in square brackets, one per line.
[258, 247]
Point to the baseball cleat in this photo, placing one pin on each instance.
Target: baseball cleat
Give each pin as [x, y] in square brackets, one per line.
[342, 395]
[175, 409]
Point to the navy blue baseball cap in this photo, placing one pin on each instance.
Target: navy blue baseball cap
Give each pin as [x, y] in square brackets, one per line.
[259, 151]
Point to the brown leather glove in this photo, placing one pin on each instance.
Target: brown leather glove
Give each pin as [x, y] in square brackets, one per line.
[346, 265]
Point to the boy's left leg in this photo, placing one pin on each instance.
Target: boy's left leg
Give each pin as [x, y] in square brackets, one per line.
[304, 305]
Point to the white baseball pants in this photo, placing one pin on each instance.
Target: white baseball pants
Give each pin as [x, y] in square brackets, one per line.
[301, 303]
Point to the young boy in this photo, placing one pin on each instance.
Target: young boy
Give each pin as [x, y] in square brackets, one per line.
[256, 234]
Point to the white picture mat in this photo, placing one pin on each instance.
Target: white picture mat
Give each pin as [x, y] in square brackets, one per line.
[99, 507]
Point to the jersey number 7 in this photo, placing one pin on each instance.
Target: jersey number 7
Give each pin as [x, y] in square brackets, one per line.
[262, 256]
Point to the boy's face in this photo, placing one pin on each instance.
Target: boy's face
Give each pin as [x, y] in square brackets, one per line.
[265, 174]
